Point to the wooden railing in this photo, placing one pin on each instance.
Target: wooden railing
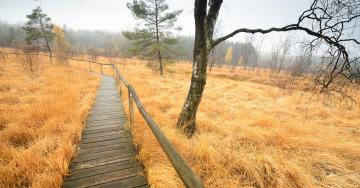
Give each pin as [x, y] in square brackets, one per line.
[186, 174]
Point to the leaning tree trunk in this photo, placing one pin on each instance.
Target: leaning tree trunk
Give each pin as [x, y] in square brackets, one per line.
[46, 39]
[186, 121]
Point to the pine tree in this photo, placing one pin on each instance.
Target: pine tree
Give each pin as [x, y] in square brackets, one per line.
[39, 29]
[153, 39]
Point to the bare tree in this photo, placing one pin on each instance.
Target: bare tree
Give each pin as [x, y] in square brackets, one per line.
[279, 55]
[30, 64]
[258, 46]
[248, 51]
[303, 59]
[326, 21]
[93, 52]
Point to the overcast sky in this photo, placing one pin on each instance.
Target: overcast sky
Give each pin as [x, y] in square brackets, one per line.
[113, 15]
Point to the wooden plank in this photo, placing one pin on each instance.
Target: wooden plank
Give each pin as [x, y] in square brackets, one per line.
[107, 108]
[121, 132]
[104, 138]
[100, 113]
[101, 161]
[105, 143]
[106, 104]
[106, 122]
[136, 181]
[108, 119]
[103, 169]
[103, 126]
[103, 178]
[95, 131]
[118, 109]
[105, 148]
[99, 126]
[102, 154]
[106, 134]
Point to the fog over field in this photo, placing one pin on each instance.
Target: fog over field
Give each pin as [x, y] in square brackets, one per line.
[114, 16]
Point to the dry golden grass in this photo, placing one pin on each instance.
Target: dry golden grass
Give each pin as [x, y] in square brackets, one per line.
[40, 122]
[250, 134]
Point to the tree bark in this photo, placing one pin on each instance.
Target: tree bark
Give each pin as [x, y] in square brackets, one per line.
[186, 121]
[161, 66]
[46, 38]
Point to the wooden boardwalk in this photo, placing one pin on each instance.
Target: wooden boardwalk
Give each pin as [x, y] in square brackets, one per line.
[107, 153]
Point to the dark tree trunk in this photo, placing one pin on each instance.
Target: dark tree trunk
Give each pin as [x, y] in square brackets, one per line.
[158, 40]
[160, 63]
[46, 39]
[186, 121]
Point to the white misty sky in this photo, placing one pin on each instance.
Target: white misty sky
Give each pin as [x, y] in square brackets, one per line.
[113, 15]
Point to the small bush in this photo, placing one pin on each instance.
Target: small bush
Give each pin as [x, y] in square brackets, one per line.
[30, 64]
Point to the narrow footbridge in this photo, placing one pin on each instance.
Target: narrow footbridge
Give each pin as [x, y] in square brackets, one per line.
[107, 152]
[107, 155]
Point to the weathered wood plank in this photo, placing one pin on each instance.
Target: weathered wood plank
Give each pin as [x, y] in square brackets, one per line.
[105, 122]
[136, 181]
[103, 178]
[108, 119]
[105, 143]
[105, 148]
[104, 138]
[95, 131]
[92, 156]
[121, 132]
[118, 126]
[103, 169]
[101, 161]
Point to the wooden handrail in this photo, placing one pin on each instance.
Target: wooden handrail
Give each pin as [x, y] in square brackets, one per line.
[185, 173]
[60, 57]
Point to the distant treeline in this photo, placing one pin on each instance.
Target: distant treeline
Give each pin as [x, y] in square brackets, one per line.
[114, 44]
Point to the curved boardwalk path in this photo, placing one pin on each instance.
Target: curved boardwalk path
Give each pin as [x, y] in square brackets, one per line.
[107, 153]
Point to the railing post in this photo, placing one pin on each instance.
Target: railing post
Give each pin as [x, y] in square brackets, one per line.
[101, 68]
[120, 86]
[90, 66]
[131, 107]
[113, 66]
